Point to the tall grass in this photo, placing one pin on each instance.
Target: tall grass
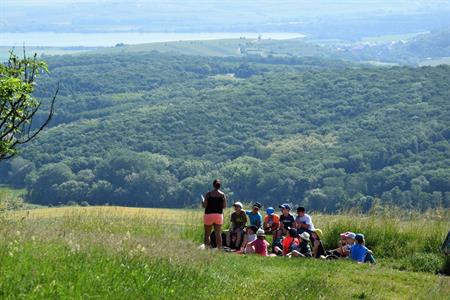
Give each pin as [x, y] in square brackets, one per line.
[129, 253]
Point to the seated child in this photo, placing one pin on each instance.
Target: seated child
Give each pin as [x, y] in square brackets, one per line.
[317, 247]
[359, 252]
[347, 239]
[289, 243]
[250, 236]
[271, 222]
[303, 221]
[254, 216]
[236, 232]
[286, 220]
[258, 246]
[303, 250]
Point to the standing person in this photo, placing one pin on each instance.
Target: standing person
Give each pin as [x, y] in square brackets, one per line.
[238, 221]
[287, 220]
[254, 216]
[214, 202]
[271, 222]
[303, 221]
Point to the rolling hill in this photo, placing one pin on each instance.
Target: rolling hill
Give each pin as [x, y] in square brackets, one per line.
[151, 129]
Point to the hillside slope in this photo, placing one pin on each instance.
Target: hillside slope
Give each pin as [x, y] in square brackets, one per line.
[150, 129]
[117, 253]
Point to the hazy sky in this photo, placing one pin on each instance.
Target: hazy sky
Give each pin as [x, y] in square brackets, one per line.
[195, 15]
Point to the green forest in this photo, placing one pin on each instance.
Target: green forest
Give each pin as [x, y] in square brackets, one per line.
[151, 129]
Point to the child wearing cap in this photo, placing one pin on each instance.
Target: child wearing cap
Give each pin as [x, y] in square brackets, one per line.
[347, 239]
[271, 222]
[359, 252]
[287, 220]
[317, 247]
[254, 216]
[258, 246]
[238, 220]
[349, 242]
[303, 250]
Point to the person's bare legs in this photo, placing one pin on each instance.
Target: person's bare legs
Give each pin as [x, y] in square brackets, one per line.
[207, 240]
[218, 231]
[244, 243]
[249, 249]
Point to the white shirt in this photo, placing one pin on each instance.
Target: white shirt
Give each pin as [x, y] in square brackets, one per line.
[251, 238]
[306, 219]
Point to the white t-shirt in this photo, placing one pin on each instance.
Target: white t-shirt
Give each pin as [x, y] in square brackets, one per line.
[251, 238]
[306, 219]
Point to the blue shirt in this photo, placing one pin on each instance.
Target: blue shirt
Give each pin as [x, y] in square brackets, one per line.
[255, 219]
[358, 252]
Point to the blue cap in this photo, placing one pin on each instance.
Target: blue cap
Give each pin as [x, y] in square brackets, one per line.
[285, 205]
[270, 210]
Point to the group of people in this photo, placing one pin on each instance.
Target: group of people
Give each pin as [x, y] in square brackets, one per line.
[291, 236]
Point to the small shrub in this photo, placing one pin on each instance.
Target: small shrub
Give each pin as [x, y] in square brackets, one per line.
[421, 262]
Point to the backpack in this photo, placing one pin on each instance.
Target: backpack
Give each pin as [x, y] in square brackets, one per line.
[213, 240]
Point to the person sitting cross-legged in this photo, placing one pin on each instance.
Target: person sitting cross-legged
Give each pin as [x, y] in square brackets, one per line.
[287, 220]
[346, 241]
[359, 252]
[303, 221]
[289, 243]
[317, 245]
[250, 236]
[260, 245]
[271, 222]
[254, 216]
[238, 220]
[303, 250]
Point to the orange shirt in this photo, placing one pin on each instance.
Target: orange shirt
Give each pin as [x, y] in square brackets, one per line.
[288, 242]
[273, 221]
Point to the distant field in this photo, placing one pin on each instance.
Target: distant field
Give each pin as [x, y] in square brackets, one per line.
[133, 253]
[224, 47]
[227, 47]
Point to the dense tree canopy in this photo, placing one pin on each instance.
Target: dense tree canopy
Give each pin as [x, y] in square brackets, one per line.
[148, 129]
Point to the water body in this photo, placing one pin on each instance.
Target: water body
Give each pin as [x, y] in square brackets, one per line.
[52, 39]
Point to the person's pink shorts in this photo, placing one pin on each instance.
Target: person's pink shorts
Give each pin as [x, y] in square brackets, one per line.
[211, 219]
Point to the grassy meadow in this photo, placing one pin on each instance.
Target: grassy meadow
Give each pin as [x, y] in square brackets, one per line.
[134, 253]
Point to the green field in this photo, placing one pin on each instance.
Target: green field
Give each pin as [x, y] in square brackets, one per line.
[118, 253]
[221, 47]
